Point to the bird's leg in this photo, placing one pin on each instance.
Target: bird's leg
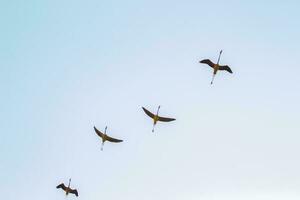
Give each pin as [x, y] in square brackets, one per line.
[213, 79]
[153, 128]
[103, 139]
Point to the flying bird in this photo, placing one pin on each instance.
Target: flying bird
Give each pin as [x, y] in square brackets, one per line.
[216, 67]
[156, 117]
[106, 137]
[67, 189]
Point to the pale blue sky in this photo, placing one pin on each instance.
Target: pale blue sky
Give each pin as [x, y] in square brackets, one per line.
[69, 65]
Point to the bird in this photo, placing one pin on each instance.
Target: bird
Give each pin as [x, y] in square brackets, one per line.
[156, 117]
[216, 67]
[67, 189]
[105, 137]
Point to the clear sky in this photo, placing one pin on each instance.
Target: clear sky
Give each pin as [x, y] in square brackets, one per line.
[69, 65]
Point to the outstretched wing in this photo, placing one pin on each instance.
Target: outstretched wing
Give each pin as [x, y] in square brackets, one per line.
[62, 186]
[148, 113]
[225, 67]
[112, 139]
[165, 119]
[98, 132]
[74, 192]
[208, 62]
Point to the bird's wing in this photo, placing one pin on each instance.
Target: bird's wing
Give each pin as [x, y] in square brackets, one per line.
[74, 192]
[98, 132]
[225, 67]
[148, 113]
[112, 139]
[62, 186]
[208, 62]
[165, 119]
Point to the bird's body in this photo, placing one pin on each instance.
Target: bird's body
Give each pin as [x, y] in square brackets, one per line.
[105, 137]
[156, 117]
[67, 189]
[216, 67]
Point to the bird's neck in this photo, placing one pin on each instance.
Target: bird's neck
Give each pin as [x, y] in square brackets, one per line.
[219, 57]
[157, 111]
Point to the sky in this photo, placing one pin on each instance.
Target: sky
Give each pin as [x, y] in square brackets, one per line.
[67, 66]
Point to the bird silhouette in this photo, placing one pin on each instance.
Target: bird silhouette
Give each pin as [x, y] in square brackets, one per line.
[67, 189]
[216, 67]
[106, 137]
[156, 117]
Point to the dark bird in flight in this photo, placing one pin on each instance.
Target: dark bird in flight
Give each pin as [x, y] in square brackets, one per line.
[105, 137]
[67, 189]
[157, 118]
[216, 67]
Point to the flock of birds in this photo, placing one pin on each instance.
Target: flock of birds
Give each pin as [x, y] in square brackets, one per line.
[155, 117]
